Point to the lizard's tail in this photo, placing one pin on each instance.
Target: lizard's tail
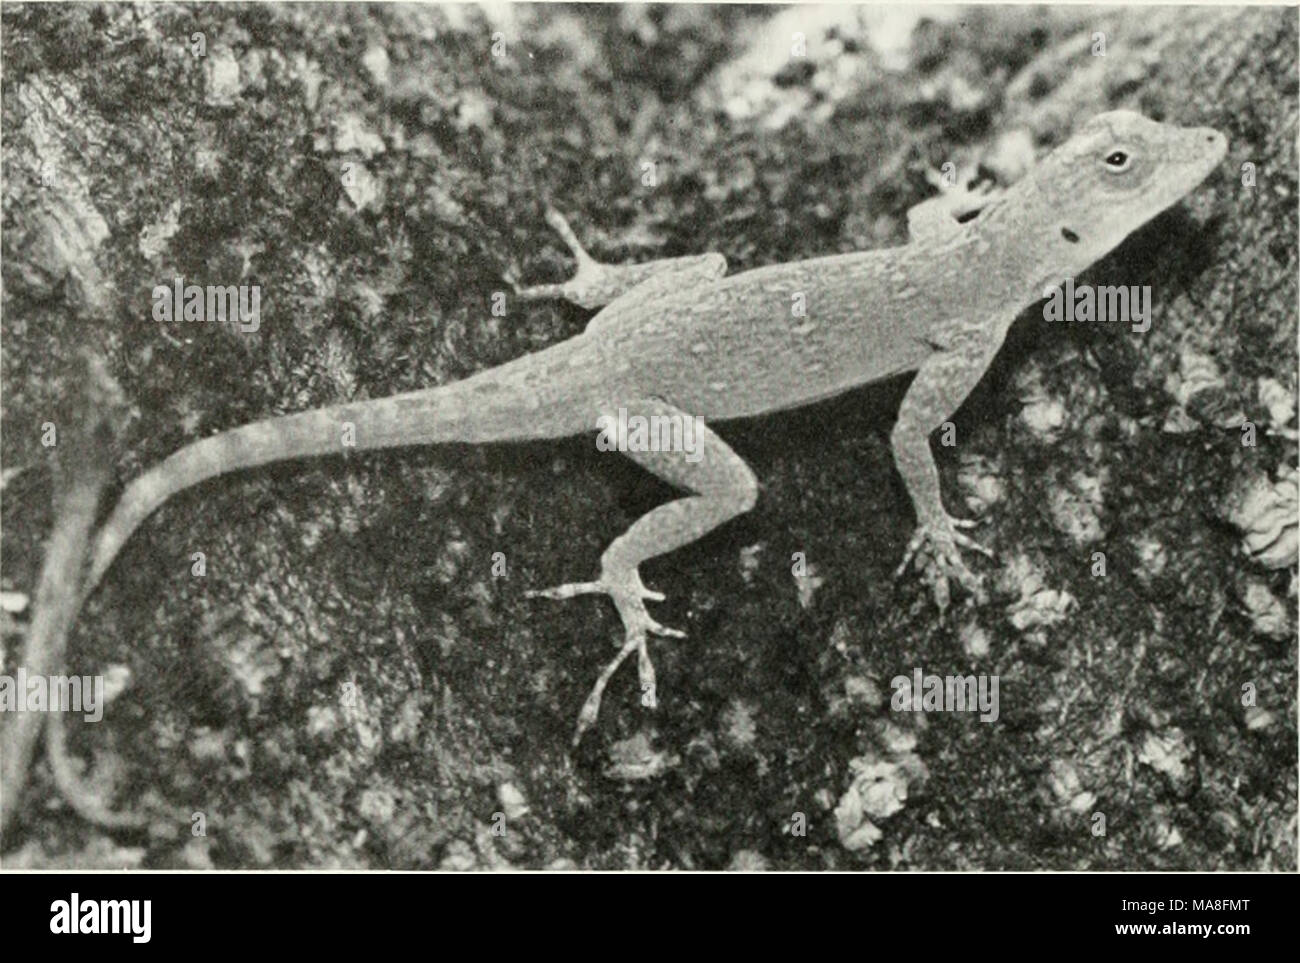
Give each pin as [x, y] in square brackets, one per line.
[516, 401]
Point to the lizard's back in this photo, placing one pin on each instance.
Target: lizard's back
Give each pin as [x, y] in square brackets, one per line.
[766, 339]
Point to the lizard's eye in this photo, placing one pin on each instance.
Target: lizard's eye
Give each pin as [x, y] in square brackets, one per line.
[1118, 161]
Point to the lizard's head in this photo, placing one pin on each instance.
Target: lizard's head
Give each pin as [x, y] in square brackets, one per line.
[1116, 173]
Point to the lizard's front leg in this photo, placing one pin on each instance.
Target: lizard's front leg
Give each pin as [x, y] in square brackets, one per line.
[722, 486]
[963, 353]
[595, 283]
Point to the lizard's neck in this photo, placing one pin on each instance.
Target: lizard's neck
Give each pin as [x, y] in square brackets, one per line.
[1028, 246]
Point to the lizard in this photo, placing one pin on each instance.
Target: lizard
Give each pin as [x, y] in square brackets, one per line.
[677, 338]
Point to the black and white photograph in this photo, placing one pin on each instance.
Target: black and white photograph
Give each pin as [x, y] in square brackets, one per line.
[713, 438]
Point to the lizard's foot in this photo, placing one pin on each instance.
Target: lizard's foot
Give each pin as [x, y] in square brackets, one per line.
[628, 592]
[588, 283]
[961, 193]
[959, 200]
[936, 548]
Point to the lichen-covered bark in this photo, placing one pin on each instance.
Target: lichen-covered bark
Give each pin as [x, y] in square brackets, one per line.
[349, 684]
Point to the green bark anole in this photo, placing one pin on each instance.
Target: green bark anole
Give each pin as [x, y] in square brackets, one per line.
[676, 338]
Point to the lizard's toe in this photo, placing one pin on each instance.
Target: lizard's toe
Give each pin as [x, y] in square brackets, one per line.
[965, 541]
[568, 590]
[936, 549]
[909, 553]
[624, 586]
[665, 631]
[945, 569]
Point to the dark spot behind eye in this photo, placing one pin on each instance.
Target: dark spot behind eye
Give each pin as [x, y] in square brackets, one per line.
[1069, 235]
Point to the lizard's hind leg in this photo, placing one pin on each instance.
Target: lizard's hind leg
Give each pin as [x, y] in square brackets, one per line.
[722, 486]
[595, 283]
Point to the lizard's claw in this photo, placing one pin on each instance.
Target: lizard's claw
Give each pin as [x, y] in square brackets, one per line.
[936, 550]
[536, 292]
[628, 594]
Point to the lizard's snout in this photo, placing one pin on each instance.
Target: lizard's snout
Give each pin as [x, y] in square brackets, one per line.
[1213, 143]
